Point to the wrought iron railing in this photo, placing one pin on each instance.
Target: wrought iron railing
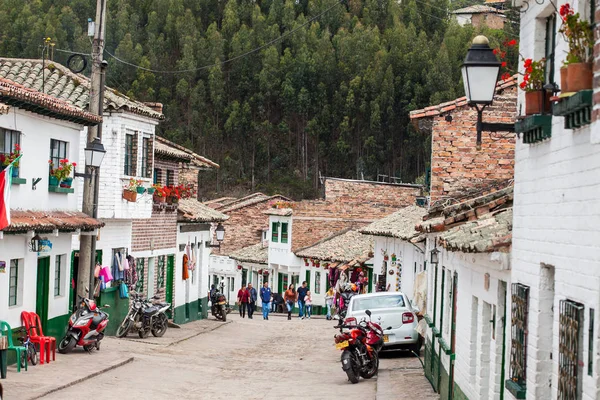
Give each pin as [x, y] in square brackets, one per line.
[139, 268]
[569, 343]
[519, 317]
[160, 278]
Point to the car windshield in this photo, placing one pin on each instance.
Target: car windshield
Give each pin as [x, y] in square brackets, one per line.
[372, 303]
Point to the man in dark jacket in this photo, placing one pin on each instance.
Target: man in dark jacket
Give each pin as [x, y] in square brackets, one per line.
[252, 297]
[265, 297]
[301, 295]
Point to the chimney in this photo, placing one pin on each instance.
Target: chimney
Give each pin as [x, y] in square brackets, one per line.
[158, 107]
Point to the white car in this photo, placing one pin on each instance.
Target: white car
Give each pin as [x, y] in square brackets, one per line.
[389, 310]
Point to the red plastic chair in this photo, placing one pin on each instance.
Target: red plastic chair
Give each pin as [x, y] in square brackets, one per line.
[33, 324]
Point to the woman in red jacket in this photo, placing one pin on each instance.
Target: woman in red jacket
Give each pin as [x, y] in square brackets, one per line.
[242, 300]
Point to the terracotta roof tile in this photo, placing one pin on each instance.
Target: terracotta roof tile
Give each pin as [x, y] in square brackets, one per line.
[281, 212]
[47, 221]
[400, 224]
[169, 149]
[490, 233]
[191, 210]
[257, 253]
[345, 246]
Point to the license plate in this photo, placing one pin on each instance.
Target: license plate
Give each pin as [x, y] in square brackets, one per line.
[386, 339]
[341, 345]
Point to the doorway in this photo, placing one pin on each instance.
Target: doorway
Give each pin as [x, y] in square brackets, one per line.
[169, 288]
[42, 290]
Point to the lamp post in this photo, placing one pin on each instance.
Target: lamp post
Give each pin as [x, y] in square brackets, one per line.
[480, 73]
[435, 256]
[220, 233]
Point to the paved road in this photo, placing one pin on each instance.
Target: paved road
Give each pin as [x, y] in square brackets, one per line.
[248, 359]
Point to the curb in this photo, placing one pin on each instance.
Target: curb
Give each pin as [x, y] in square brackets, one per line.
[110, 367]
[198, 333]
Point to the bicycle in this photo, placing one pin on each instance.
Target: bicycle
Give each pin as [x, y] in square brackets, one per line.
[30, 351]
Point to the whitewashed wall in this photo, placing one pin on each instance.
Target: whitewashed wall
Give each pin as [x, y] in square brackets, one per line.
[281, 253]
[194, 288]
[556, 219]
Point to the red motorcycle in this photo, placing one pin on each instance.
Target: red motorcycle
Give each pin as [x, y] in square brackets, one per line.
[360, 347]
[86, 327]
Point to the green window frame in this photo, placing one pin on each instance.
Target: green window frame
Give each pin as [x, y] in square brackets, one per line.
[317, 282]
[57, 275]
[550, 45]
[128, 167]
[519, 333]
[275, 232]
[284, 232]
[58, 151]
[145, 157]
[13, 283]
[8, 140]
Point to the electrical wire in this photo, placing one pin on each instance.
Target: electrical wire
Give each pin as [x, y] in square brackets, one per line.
[269, 43]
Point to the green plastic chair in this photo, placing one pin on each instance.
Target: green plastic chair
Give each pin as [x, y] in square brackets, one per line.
[5, 327]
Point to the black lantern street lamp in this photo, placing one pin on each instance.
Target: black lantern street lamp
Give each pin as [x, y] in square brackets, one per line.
[480, 73]
[435, 256]
[34, 245]
[220, 233]
[94, 153]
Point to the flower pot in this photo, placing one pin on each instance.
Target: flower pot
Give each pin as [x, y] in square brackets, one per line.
[53, 181]
[172, 200]
[537, 102]
[129, 195]
[151, 190]
[158, 199]
[140, 189]
[579, 76]
[66, 183]
[564, 82]
[15, 172]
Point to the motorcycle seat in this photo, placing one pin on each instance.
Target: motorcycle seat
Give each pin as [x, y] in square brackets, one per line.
[151, 310]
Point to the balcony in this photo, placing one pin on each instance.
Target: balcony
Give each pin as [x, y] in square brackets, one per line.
[577, 109]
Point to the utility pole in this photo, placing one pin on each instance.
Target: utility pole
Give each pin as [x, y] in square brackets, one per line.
[87, 246]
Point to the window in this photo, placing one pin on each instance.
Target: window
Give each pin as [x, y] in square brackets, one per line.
[519, 317]
[128, 170]
[157, 176]
[275, 232]
[570, 342]
[317, 279]
[58, 263]
[13, 283]
[373, 303]
[145, 157]
[550, 45]
[170, 177]
[8, 140]
[284, 232]
[58, 151]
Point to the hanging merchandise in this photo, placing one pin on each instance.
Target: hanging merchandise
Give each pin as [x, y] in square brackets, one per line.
[131, 274]
[105, 274]
[123, 292]
[125, 264]
[97, 271]
[186, 274]
[190, 259]
[102, 283]
[117, 267]
[194, 262]
[97, 288]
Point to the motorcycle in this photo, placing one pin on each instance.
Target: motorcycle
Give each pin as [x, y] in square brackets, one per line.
[360, 347]
[145, 317]
[86, 327]
[345, 296]
[219, 308]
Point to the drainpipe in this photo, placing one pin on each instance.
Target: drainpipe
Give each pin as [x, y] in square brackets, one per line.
[502, 372]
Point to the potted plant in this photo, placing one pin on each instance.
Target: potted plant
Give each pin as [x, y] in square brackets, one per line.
[580, 38]
[172, 194]
[159, 193]
[60, 175]
[136, 185]
[130, 190]
[7, 159]
[537, 100]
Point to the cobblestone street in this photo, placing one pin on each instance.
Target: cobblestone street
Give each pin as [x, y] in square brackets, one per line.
[243, 359]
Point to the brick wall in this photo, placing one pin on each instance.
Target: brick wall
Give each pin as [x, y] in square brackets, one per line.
[360, 191]
[164, 166]
[160, 234]
[456, 164]
[188, 175]
[491, 20]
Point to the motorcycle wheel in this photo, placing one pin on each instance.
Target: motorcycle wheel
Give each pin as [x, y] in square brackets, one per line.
[223, 314]
[144, 332]
[352, 375]
[67, 344]
[371, 372]
[32, 355]
[124, 328]
[160, 326]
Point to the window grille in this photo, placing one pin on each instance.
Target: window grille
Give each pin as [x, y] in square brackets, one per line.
[519, 318]
[570, 323]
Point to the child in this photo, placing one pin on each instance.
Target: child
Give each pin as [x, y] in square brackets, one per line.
[308, 304]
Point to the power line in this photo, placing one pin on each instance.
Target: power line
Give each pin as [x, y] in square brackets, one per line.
[286, 34]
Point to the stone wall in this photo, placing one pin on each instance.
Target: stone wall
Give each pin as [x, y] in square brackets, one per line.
[456, 164]
[347, 190]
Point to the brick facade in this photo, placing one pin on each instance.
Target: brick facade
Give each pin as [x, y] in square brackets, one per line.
[456, 164]
[164, 166]
[375, 192]
[189, 175]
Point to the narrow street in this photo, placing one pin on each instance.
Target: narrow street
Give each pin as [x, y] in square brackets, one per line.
[244, 359]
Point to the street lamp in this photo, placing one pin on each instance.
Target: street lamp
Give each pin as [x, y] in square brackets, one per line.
[435, 256]
[94, 153]
[480, 73]
[220, 233]
[34, 245]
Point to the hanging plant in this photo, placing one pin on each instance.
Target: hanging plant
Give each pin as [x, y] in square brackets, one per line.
[239, 267]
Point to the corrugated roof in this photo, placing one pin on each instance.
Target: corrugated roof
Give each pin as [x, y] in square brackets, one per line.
[191, 210]
[492, 232]
[400, 224]
[433, 111]
[345, 247]
[170, 149]
[47, 221]
[59, 82]
[20, 96]
[256, 253]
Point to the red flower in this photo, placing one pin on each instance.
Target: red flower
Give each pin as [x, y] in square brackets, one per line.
[49, 161]
[505, 76]
[565, 10]
[523, 84]
[74, 164]
[512, 42]
[503, 54]
[503, 63]
[17, 147]
[495, 51]
[527, 62]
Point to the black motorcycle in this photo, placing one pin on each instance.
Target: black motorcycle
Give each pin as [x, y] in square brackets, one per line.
[145, 317]
[219, 308]
[346, 296]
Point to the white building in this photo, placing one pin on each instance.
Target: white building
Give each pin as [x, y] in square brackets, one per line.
[45, 128]
[555, 262]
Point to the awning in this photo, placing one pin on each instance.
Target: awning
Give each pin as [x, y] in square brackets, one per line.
[22, 221]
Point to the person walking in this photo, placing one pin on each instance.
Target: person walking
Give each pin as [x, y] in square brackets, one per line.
[252, 297]
[329, 296]
[301, 295]
[308, 304]
[290, 298]
[242, 298]
[265, 297]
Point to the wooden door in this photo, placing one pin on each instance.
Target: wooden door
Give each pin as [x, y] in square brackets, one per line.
[43, 290]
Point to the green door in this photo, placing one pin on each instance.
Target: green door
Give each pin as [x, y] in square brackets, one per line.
[280, 287]
[370, 282]
[169, 288]
[308, 279]
[42, 292]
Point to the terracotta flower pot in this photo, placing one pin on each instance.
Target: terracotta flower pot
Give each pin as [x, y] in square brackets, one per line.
[579, 76]
[158, 199]
[130, 195]
[564, 82]
[535, 103]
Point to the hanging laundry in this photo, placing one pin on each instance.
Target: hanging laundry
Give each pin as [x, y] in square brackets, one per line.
[117, 267]
[105, 274]
[188, 253]
[186, 274]
[131, 274]
[126, 263]
[193, 262]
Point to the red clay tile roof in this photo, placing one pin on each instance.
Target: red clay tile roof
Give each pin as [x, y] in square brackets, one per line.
[173, 150]
[46, 221]
[432, 111]
[16, 95]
